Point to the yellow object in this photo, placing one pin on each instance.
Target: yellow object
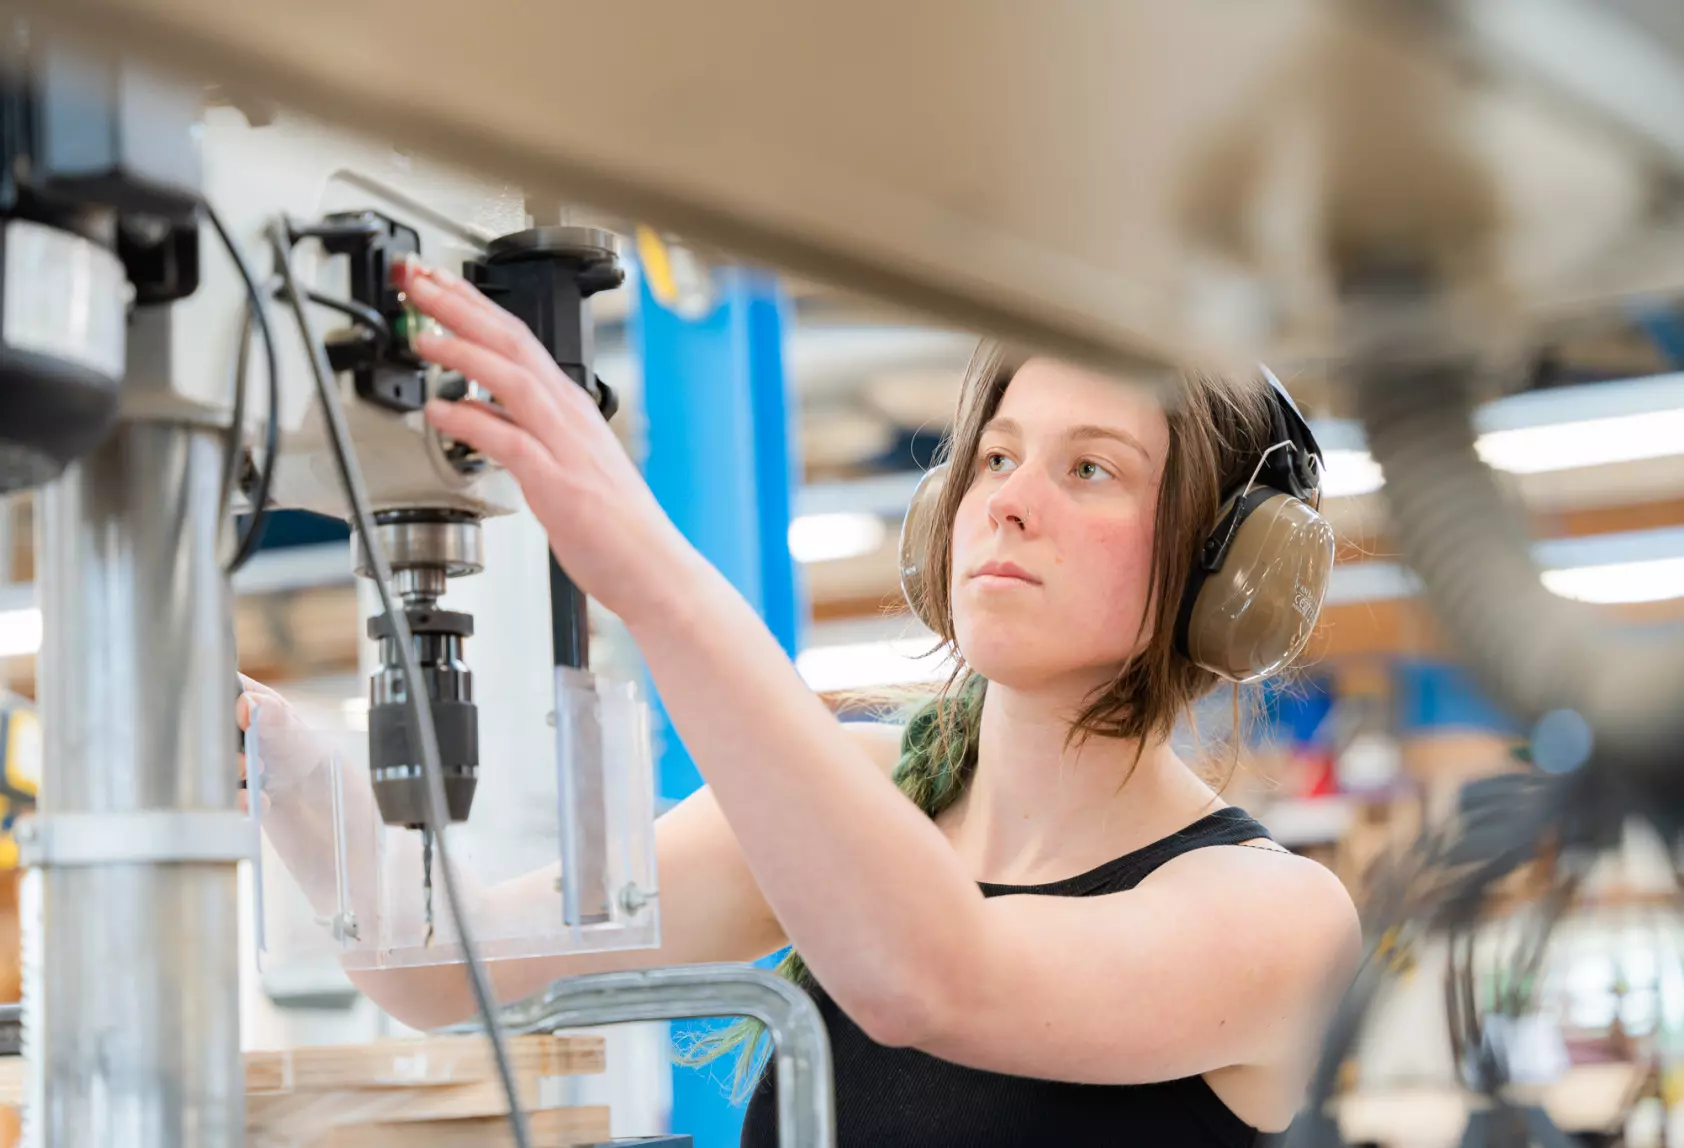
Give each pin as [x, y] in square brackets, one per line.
[20, 770]
[1672, 1085]
[677, 279]
[657, 268]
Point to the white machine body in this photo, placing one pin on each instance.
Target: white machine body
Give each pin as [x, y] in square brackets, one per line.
[294, 167]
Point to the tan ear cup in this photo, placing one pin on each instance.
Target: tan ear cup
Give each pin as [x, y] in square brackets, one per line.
[914, 541]
[1254, 616]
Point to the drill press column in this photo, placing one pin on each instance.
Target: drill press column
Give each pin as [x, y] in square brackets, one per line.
[134, 690]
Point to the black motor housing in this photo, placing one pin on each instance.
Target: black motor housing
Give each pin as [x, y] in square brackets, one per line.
[99, 198]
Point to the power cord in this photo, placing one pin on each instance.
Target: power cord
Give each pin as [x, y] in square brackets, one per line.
[252, 536]
[361, 312]
[415, 694]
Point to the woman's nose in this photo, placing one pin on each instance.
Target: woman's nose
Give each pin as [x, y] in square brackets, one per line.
[1015, 503]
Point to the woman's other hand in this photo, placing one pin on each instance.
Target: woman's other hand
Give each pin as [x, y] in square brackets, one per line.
[291, 751]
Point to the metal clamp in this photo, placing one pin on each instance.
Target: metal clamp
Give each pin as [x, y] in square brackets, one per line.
[162, 836]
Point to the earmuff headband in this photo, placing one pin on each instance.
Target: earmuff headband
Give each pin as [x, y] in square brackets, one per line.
[1297, 471]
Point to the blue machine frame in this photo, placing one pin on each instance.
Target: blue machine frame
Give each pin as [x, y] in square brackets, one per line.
[721, 461]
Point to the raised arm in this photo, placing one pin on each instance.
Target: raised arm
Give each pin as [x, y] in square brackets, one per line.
[864, 884]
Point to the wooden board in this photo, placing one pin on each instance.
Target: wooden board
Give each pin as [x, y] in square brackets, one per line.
[315, 1108]
[551, 1128]
[439, 1060]
[425, 1063]
[430, 1091]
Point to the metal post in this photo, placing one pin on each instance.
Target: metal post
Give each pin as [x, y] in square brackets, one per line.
[800, 1043]
[8, 552]
[140, 1037]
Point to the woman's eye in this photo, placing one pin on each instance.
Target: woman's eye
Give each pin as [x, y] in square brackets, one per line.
[996, 461]
[1088, 471]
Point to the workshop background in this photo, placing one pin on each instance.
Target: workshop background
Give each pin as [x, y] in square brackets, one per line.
[784, 428]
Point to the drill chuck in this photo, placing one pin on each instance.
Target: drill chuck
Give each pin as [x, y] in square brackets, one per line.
[424, 548]
[394, 758]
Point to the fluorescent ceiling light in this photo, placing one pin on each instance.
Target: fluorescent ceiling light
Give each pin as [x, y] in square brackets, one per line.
[826, 537]
[1535, 449]
[1348, 473]
[1590, 442]
[1653, 581]
[865, 665]
[1631, 566]
[20, 632]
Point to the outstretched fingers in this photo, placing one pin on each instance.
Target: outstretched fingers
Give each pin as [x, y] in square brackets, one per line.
[508, 444]
[464, 310]
[525, 398]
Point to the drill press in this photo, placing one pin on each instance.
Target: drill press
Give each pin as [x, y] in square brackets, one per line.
[546, 277]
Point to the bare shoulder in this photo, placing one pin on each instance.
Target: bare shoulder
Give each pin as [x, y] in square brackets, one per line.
[879, 739]
[1273, 895]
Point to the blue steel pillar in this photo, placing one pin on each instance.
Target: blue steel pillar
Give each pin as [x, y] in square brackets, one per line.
[720, 460]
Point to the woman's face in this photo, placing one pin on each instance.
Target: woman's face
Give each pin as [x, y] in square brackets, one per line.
[1052, 545]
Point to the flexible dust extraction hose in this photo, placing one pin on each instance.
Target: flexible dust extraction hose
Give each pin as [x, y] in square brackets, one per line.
[1533, 651]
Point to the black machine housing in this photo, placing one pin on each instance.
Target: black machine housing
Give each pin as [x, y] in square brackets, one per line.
[545, 277]
[383, 368]
[103, 155]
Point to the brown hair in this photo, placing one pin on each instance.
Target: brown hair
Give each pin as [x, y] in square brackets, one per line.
[1217, 431]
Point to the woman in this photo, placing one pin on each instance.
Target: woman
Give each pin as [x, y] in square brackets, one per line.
[1065, 904]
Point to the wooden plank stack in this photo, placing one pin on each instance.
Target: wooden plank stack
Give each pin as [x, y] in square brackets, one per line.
[432, 1092]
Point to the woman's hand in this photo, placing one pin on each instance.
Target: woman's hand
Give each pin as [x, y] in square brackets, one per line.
[604, 524]
[291, 751]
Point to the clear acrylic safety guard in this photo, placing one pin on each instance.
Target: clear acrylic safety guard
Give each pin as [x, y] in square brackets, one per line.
[551, 861]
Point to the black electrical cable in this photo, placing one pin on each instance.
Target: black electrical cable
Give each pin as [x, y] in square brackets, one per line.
[361, 312]
[419, 707]
[256, 312]
[231, 468]
[251, 538]
[365, 225]
[257, 522]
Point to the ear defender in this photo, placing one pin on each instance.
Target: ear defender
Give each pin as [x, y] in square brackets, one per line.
[914, 537]
[1258, 581]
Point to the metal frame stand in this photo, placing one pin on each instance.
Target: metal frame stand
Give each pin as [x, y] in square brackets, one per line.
[139, 1028]
[800, 1043]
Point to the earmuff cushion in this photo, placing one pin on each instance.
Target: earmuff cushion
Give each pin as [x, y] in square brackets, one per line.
[1211, 556]
[914, 537]
[1253, 616]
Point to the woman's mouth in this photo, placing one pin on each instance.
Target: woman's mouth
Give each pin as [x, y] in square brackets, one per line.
[1003, 572]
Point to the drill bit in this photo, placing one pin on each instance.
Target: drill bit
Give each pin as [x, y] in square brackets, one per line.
[427, 882]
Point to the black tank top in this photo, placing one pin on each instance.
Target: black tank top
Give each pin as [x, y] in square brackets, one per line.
[902, 1098]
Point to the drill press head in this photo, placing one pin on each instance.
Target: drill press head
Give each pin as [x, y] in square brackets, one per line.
[545, 277]
[425, 548]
